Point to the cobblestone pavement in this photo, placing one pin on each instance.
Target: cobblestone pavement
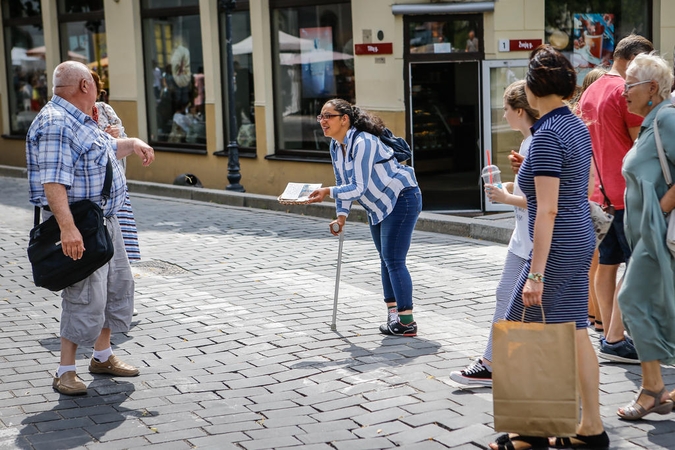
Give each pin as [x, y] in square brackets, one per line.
[234, 343]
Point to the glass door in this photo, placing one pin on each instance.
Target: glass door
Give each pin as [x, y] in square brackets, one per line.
[445, 133]
[499, 138]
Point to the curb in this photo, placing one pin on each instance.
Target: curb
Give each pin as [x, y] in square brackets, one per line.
[475, 228]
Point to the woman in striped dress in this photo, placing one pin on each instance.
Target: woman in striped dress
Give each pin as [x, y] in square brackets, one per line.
[554, 179]
[109, 122]
[367, 171]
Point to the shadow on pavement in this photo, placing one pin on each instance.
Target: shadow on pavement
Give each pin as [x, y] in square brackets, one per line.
[393, 351]
[79, 420]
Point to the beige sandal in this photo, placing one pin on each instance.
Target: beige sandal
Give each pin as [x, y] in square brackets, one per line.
[635, 411]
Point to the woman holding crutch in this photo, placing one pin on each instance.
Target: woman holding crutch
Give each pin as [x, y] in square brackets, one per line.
[367, 171]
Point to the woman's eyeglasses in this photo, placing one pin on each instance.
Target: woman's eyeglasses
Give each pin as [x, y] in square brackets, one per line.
[626, 87]
[321, 117]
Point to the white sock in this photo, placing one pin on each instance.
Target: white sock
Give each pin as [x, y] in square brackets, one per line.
[103, 355]
[63, 369]
[393, 314]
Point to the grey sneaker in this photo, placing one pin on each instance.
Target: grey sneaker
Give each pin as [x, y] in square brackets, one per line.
[622, 351]
[474, 375]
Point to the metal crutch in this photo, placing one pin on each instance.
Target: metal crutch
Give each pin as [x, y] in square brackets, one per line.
[336, 228]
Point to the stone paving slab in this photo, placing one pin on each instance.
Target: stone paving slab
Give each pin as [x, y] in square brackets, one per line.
[235, 349]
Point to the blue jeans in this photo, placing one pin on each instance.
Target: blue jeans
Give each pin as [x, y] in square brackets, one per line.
[392, 239]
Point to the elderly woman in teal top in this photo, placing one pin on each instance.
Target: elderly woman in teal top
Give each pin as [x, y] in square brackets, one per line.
[647, 297]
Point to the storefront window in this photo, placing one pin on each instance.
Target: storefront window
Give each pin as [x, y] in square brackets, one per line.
[503, 138]
[588, 30]
[314, 62]
[244, 97]
[174, 75]
[83, 36]
[446, 36]
[26, 75]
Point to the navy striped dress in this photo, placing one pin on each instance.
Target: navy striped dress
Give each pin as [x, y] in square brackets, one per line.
[561, 147]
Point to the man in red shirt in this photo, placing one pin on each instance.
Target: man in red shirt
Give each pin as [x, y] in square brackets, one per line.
[613, 130]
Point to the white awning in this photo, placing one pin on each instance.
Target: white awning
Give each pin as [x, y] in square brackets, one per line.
[443, 8]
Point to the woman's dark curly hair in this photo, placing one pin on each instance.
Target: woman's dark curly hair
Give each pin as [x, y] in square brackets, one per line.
[550, 73]
[360, 119]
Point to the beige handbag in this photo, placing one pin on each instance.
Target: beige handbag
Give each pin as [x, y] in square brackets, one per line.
[534, 378]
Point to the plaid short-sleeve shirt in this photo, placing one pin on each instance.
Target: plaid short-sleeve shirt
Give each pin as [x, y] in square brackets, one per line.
[65, 146]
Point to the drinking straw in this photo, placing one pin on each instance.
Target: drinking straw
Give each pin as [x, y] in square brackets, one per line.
[487, 154]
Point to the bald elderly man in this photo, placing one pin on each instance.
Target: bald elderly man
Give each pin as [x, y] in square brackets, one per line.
[66, 157]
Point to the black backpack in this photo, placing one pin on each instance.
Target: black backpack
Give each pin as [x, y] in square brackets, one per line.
[400, 147]
[397, 144]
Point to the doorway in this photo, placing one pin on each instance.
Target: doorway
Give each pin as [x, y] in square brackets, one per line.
[445, 134]
[443, 101]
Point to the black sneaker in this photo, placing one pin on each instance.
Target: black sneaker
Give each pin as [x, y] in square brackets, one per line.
[476, 374]
[622, 351]
[398, 329]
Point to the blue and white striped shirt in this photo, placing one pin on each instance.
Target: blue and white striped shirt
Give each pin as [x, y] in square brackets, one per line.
[369, 173]
[65, 146]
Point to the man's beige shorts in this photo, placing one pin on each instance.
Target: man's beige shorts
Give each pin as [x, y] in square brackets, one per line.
[105, 299]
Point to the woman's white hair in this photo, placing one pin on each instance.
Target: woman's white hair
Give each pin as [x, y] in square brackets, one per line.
[69, 73]
[651, 66]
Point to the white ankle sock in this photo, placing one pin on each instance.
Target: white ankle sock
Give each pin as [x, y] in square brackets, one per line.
[63, 369]
[393, 314]
[102, 355]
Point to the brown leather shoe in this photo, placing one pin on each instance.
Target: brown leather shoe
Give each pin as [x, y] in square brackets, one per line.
[69, 384]
[113, 366]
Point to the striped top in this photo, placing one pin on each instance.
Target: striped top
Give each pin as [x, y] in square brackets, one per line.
[369, 174]
[561, 148]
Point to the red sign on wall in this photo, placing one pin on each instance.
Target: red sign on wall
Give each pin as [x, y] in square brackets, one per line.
[383, 48]
[523, 45]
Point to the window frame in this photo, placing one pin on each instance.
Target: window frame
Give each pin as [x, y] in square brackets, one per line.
[64, 18]
[444, 57]
[8, 22]
[649, 23]
[244, 152]
[161, 14]
[302, 155]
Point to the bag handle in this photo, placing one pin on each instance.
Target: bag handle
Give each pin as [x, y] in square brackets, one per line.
[608, 202]
[105, 193]
[543, 316]
[659, 149]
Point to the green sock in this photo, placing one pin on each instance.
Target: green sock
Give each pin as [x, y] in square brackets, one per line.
[405, 319]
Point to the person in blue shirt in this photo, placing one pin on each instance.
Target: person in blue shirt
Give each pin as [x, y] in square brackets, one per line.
[66, 159]
[366, 171]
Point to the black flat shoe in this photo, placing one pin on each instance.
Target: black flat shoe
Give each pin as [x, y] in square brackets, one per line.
[505, 442]
[595, 442]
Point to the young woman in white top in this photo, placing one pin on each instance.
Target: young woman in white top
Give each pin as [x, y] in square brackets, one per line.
[520, 116]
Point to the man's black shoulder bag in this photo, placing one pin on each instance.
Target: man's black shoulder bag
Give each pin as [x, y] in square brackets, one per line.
[54, 270]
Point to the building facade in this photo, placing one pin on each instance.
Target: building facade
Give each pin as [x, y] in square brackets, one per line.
[435, 71]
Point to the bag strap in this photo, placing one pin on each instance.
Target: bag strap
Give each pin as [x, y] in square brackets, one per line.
[105, 193]
[543, 315]
[661, 153]
[608, 202]
[107, 183]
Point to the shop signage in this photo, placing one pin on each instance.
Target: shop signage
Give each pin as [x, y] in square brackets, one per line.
[518, 45]
[381, 48]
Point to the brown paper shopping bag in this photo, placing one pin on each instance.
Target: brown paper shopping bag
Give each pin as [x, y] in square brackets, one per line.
[534, 378]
